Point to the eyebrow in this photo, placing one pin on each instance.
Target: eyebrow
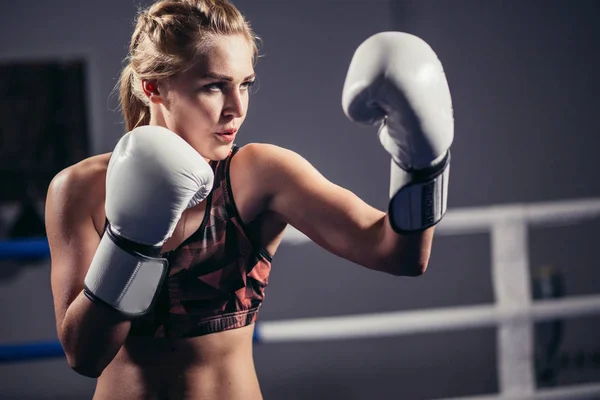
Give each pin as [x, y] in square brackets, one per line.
[213, 75]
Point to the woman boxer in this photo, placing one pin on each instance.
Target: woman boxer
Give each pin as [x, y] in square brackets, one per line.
[161, 250]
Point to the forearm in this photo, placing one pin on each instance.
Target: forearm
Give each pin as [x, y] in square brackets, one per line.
[91, 335]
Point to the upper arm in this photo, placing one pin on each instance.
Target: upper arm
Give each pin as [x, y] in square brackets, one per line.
[331, 216]
[72, 236]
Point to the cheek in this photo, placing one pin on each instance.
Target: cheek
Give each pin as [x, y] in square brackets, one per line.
[199, 110]
[209, 107]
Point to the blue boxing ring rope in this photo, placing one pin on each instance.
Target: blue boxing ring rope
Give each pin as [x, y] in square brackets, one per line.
[31, 351]
[513, 311]
[19, 249]
[24, 248]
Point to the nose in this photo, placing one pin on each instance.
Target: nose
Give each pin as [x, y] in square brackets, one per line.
[234, 104]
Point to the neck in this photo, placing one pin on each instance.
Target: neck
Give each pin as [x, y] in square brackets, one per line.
[157, 118]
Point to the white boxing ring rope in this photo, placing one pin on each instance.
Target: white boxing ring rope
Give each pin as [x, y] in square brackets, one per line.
[514, 311]
[433, 320]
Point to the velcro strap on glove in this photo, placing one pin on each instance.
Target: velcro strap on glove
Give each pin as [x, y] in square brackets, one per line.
[422, 202]
[122, 277]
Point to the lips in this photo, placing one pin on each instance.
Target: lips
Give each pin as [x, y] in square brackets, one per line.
[227, 135]
[227, 132]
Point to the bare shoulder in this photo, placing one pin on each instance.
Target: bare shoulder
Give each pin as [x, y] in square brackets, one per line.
[261, 153]
[82, 174]
[260, 172]
[280, 176]
[269, 160]
[78, 190]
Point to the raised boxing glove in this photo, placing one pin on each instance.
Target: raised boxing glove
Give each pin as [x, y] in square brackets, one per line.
[153, 175]
[396, 82]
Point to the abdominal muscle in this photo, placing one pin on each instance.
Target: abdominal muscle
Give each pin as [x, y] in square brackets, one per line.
[215, 366]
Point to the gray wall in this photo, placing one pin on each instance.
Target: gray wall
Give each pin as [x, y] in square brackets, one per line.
[523, 80]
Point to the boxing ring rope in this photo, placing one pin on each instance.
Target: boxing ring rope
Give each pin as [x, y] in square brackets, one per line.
[514, 311]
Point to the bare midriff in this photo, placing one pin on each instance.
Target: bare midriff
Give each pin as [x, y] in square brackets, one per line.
[215, 366]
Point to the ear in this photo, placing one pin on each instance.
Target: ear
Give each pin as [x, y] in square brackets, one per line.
[150, 88]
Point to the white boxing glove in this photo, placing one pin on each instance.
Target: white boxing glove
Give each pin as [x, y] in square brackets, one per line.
[153, 175]
[396, 82]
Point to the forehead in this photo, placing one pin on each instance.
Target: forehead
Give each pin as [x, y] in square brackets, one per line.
[230, 55]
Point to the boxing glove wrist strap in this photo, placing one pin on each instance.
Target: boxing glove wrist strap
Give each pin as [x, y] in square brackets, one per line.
[422, 200]
[123, 277]
[124, 243]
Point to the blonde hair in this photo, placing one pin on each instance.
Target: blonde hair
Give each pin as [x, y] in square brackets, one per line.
[168, 36]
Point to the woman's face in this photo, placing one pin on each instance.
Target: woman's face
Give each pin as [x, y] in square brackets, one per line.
[207, 104]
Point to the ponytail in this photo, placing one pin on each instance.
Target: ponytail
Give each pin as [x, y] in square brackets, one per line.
[135, 111]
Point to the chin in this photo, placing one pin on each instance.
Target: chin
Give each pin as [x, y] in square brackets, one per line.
[222, 153]
[216, 153]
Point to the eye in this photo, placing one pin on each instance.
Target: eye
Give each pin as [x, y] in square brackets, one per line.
[215, 87]
[248, 84]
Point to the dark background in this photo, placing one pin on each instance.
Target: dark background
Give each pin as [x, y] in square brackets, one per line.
[523, 76]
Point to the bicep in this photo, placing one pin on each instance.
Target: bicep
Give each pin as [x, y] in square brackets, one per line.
[73, 240]
[331, 216]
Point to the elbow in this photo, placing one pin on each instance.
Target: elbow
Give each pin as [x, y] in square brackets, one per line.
[407, 255]
[87, 368]
[407, 269]
[414, 270]
[404, 265]
[80, 359]
[88, 372]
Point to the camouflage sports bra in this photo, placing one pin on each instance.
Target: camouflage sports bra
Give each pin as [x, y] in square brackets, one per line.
[217, 276]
